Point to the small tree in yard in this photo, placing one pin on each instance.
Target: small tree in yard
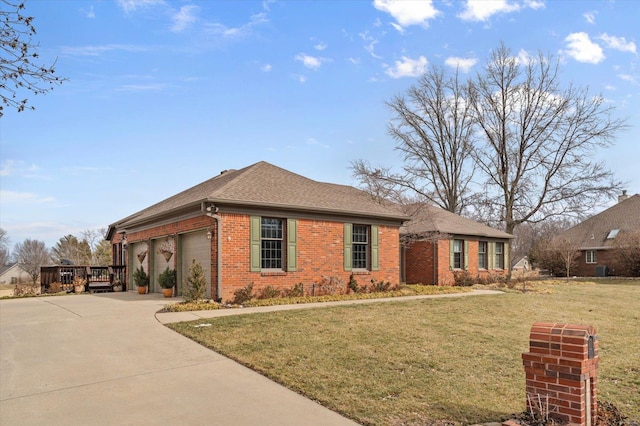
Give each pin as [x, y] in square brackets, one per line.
[195, 286]
[559, 257]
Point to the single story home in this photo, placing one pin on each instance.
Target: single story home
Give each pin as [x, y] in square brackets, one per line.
[265, 226]
[14, 274]
[438, 244]
[597, 236]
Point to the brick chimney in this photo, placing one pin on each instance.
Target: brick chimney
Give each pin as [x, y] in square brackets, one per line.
[623, 197]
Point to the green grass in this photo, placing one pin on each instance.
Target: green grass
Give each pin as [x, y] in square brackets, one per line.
[423, 362]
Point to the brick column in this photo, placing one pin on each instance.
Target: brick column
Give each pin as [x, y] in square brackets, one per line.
[560, 369]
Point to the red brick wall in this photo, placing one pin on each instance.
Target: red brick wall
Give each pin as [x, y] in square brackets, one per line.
[320, 253]
[419, 263]
[603, 257]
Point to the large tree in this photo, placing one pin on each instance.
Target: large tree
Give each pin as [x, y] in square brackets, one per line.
[531, 140]
[70, 248]
[19, 69]
[537, 139]
[433, 127]
[32, 254]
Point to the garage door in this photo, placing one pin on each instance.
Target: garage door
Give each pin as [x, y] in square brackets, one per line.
[195, 245]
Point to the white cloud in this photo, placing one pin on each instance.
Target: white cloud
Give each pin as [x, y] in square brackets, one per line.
[482, 10]
[582, 49]
[463, 64]
[609, 87]
[407, 67]
[408, 13]
[132, 5]
[534, 4]
[354, 61]
[590, 17]
[309, 61]
[100, 49]
[320, 46]
[266, 67]
[184, 18]
[618, 43]
[13, 197]
[629, 78]
[158, 87]
[90, 13]
[21, 169]
[370, 45]
[313, 141]
[222, 30]
[299, 78]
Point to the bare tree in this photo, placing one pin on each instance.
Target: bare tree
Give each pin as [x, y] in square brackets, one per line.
[18, 70]
[537, 140]
[4, 247]
[433, 126]
[100, 248]
[32, 254]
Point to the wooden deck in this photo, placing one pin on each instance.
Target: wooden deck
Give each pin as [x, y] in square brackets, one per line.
[99, 278]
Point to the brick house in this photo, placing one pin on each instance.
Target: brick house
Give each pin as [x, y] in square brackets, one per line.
[596, 236]
[438, 243]
[262, 225]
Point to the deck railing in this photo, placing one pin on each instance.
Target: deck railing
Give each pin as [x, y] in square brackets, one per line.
[98, 277]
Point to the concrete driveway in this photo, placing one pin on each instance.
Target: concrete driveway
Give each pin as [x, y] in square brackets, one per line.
[104, 359]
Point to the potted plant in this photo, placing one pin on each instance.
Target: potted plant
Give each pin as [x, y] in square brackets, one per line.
[141, 280]
[78, 284]
[117, 285]
[167, 281]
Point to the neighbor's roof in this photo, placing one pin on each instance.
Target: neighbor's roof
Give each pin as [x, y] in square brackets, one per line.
[593, 233]
[265, 185]
[427, 218]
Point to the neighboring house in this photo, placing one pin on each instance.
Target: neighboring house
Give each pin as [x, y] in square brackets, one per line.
[596, 236]
[14, 274]
[438, 243]
[262, 225]
[522, 265]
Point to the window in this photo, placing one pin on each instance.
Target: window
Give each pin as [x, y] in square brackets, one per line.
[458, 254]
[591, 256]
[499, 256]
[482, 255]
[271, 243]
[612, 234]
[360, 247]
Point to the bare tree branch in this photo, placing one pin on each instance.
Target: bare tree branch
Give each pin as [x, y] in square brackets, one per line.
[18, 53]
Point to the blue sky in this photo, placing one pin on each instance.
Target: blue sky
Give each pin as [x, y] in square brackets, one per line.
[165, 94]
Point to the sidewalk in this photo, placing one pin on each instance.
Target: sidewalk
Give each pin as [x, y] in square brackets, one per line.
[171, 317]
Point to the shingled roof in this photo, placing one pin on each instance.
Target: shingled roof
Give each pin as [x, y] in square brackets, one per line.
[265, 185]
[596, 232]
[428, 219]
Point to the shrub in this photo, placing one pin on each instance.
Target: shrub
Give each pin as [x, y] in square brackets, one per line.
[26, 290]
[329, 285]
[243, 294]
[295, 291]
[55, 287]
[167, 278]
[463, 279]
[352, 286]
[140, 277]
[195, 286]
[380, 286]
[268, 292]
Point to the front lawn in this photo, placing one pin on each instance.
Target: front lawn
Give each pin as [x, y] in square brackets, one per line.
[423, 362]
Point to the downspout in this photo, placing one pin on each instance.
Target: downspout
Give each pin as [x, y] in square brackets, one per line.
[435, 264]
[211, 211]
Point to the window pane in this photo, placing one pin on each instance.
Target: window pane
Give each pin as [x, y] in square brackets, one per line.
[482, 254]
[500, 255]
[360, 247]
[271, 243]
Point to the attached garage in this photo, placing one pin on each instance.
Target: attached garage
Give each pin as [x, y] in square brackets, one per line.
[194, 246]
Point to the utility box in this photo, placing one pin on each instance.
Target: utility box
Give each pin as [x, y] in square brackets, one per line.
[561, 372]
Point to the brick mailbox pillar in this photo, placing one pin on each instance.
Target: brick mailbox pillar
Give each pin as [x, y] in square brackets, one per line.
[560, 370]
